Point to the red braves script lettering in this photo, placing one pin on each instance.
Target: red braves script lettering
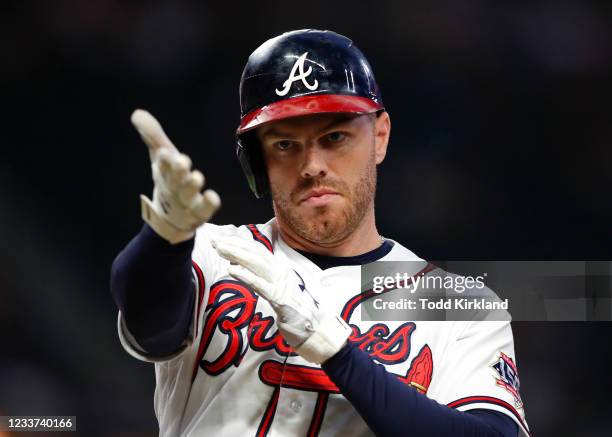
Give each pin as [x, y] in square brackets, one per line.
[231, 308]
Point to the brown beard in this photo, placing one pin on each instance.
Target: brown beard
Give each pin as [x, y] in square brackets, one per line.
[329, 226]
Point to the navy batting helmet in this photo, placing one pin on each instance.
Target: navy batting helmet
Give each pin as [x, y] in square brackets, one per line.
[299, 73]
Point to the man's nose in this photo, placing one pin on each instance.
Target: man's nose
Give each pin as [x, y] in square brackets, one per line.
[314, 164]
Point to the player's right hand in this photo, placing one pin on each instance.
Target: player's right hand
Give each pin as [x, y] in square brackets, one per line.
[310, 329]
[178, 207]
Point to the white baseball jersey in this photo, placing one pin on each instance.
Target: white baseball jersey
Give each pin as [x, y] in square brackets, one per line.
[235, 375]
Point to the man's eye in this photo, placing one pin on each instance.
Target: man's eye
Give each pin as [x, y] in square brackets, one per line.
[335, 137]
[283, 145]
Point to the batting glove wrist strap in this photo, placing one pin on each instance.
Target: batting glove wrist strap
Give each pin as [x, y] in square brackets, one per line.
[160, 225]
[331, 335]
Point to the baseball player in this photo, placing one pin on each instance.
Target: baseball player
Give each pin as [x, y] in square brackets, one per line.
[256, 330]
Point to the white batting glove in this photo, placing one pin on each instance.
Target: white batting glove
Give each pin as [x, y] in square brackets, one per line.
[314, 333]
[178, 207]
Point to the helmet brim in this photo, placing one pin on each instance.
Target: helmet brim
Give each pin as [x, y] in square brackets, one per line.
[307, 105]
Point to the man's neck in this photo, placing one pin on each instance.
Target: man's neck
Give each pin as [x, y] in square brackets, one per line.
[363, 239]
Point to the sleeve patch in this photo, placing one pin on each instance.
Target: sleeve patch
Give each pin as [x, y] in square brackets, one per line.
[507, 377]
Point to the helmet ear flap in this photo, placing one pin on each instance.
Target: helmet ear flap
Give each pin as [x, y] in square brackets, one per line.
[251, 160]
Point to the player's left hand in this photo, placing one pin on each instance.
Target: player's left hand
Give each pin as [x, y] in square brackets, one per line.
[314, 333]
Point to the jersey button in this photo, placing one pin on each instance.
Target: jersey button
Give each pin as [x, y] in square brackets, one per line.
[295, 405]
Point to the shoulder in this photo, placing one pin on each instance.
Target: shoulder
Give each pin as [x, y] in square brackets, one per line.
[458, 282]
[472, 300]
[464, 282]
[400, 253]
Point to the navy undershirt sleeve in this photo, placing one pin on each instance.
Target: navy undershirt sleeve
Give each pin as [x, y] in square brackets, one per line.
[151, 283]
[391, 408]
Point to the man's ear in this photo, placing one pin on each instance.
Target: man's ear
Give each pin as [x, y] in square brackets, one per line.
[382, 131]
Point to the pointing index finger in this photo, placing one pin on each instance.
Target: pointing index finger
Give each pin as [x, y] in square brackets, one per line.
[151, 132]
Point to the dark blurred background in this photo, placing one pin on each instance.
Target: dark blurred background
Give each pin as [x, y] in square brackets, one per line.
[500, 150]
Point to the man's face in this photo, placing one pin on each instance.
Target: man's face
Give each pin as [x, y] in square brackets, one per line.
[322, 171]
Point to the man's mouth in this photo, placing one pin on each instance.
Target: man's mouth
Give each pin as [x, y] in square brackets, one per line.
[319, 196]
